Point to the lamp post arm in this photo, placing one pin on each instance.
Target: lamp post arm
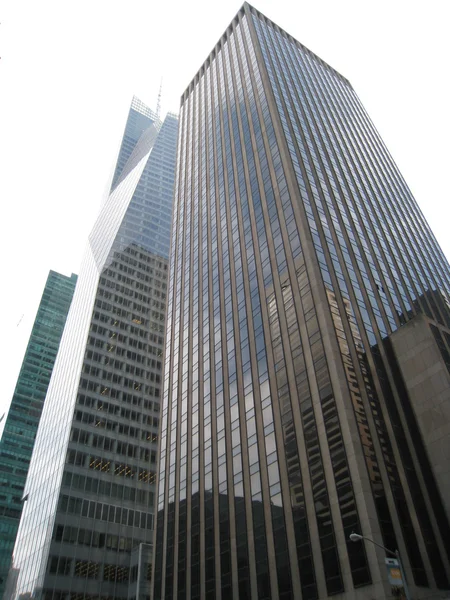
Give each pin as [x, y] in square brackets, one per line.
[355, 537]
[379, 546]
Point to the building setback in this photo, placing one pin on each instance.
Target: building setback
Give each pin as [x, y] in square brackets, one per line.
[298, 256]
[87, 525]
[24, 413]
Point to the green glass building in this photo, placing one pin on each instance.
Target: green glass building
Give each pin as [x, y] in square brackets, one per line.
[21, 425]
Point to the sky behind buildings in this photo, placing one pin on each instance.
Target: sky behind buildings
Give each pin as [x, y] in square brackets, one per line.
[68, 73]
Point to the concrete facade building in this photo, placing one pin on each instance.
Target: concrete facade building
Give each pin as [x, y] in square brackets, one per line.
[299, 256]
[423, 360]
[87, 525]
[25, 411]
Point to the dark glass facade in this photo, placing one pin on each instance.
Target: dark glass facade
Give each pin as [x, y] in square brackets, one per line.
[23, 417]
[87, 525]
[297, 251]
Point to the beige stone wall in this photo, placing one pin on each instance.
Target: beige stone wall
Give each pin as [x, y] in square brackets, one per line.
[428, 382]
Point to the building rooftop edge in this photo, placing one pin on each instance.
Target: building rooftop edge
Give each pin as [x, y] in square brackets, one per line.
[247, 7]
[146, 111]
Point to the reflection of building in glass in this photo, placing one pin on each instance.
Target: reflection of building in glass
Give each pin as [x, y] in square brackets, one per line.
[297, 249]
[88, 519]
[21, 424]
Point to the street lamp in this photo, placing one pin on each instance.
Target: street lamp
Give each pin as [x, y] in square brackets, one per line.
[356, 537]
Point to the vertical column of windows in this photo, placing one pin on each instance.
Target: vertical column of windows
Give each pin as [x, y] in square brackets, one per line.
[210, 250]
[263, 202]
[198, 193]
[353, 222]
[304, 550]
[288, 90]
[414, 486]
[405, 519]
[359, 157]
[231, 258]
[232, 414]
[368, 165]
[263, 158]
[199, 534]
[166, 509]
[344, 489]
[178, 370]
[242, 339]
[360, 573]
[186, 380]
[359, 210]
[377, 488]
[391, 227]
[241, 224]
[368, 205]
[224, 532]
[357, 403]
[287, 408]
[373, 469]
[406, 522]
[412, 215]
[358, 562]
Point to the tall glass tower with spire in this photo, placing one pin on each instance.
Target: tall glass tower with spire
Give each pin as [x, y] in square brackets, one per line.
[87, 524]
[306, 296]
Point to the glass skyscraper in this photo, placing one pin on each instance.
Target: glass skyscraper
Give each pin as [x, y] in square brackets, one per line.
[289, 420]
[87, 524]
[23, 417]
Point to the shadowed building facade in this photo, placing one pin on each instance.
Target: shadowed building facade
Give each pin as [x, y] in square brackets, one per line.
[23, 417]
[297, 253]
[87, 525]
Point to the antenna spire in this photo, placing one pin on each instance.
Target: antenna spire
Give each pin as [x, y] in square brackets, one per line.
[158, 104]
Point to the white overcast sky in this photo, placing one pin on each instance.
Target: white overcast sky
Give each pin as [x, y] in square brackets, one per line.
[68, 71]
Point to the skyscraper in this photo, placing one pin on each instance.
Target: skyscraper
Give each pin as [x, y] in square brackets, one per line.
[86, 528]
[22, 421]
[298, 255]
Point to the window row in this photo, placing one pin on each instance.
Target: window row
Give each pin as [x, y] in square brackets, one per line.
[85, 483]
[87, 569]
